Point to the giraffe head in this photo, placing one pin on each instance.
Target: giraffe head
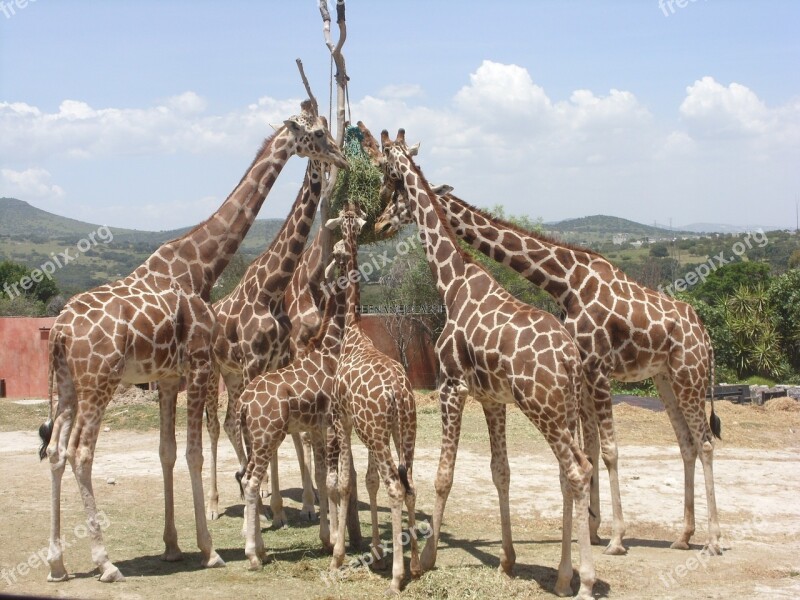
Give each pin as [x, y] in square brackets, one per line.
[393, 192]
[311, 136]
[350, 221]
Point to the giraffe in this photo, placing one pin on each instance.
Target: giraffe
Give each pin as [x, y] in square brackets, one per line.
[251, 334]
[292, 399]
[624, 331]
[155, 325]
[304, 303]
[373, 395]
[502, 352]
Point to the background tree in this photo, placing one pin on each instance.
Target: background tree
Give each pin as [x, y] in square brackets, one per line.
[727, 279]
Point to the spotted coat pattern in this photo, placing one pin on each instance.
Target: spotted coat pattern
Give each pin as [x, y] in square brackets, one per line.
[624, 331]
[373, 395]
[502, 352]
[155, 325]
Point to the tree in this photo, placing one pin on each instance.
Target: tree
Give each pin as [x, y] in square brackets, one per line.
[784, 299]
[230, 277]
[15, 277]
[659, 250]
[727, 279]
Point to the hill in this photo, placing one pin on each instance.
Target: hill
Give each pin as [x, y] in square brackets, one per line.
[603, 227]
[28, 235]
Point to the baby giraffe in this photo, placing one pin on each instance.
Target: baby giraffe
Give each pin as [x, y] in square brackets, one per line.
[373, 394]
[293, 399]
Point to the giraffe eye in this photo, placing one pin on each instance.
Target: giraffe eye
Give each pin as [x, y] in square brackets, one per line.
[319, 133]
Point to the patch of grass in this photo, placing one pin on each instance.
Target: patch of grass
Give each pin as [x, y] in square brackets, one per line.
[644, 388]
[758, 380]
[21, 417]
[138, 417]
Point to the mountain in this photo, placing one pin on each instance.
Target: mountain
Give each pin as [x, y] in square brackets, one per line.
[31, 236]
[722, 228]
[604, 226]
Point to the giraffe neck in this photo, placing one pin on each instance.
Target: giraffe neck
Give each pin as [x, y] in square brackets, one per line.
[269, 275]
[546, 264]
[353, 287]
[333, 323]
[446, 261]
[195, 260]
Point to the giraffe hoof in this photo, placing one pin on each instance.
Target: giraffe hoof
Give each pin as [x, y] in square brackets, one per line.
[213, 561]
[172, 555]
[392, 590]
[57, 578]
[309, 512]
[595, 540]
[713, 550]
[615, 550]
[379, 564]
[112, 575]
[680, 545]
[212, 515]
[563, 589]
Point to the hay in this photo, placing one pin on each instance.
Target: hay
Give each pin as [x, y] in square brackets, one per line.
[359, 184]
[784, 404]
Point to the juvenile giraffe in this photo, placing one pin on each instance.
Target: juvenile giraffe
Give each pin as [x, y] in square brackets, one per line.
[304, 302]
[501, 351]
[292, 399]
[373, 395]
[155, 325]
[252, 330]
[624, 331]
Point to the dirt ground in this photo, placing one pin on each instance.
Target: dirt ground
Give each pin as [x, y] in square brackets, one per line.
[756, 471]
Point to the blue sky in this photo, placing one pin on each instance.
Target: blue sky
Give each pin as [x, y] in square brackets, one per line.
[145, 114]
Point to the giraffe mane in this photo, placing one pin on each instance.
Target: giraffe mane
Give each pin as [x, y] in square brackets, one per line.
[542, 237]
[315, 341]
[437, 208]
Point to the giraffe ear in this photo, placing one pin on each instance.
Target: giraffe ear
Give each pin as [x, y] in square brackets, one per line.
[333, 223]
[275, 126]
[414, 150]
[329, 269]
[441, 190]
[292, 124]
[360, 222]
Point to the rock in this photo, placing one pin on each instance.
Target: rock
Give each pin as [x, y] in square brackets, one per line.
[107, 429]
[111, 481]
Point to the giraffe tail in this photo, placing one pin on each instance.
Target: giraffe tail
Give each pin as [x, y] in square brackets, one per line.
[714, 420]
[403, 472]
[46, 428]
[241, 434]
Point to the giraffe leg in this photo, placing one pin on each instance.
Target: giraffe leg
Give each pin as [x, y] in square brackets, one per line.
[408, 418]
[391, 479]
[57, 455]
[599, 388]
[318, 446]
[495, 415]
[167, 452]
[688, 454]
[196, 392]
[279, 519]
[332, 478]
[82, 458]
[254, 543]
[302, 446]
[373, 481]
[452, 395]
[564, 581]
[234, 384]
[343, 432]
[212, 424]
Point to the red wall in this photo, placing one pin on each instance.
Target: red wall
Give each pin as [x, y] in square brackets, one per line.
[422, 367]
[23, 355]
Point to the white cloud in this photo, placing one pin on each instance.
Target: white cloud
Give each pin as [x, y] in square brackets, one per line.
[78, 130]
[712, 110]
[500, 139]
[32, 183]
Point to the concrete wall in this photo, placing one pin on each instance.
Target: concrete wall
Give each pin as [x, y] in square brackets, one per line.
[23, 355]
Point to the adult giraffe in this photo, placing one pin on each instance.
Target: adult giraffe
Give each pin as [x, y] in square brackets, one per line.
[155, 325]
[623, 330]
[502, 352]
[252, 331]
